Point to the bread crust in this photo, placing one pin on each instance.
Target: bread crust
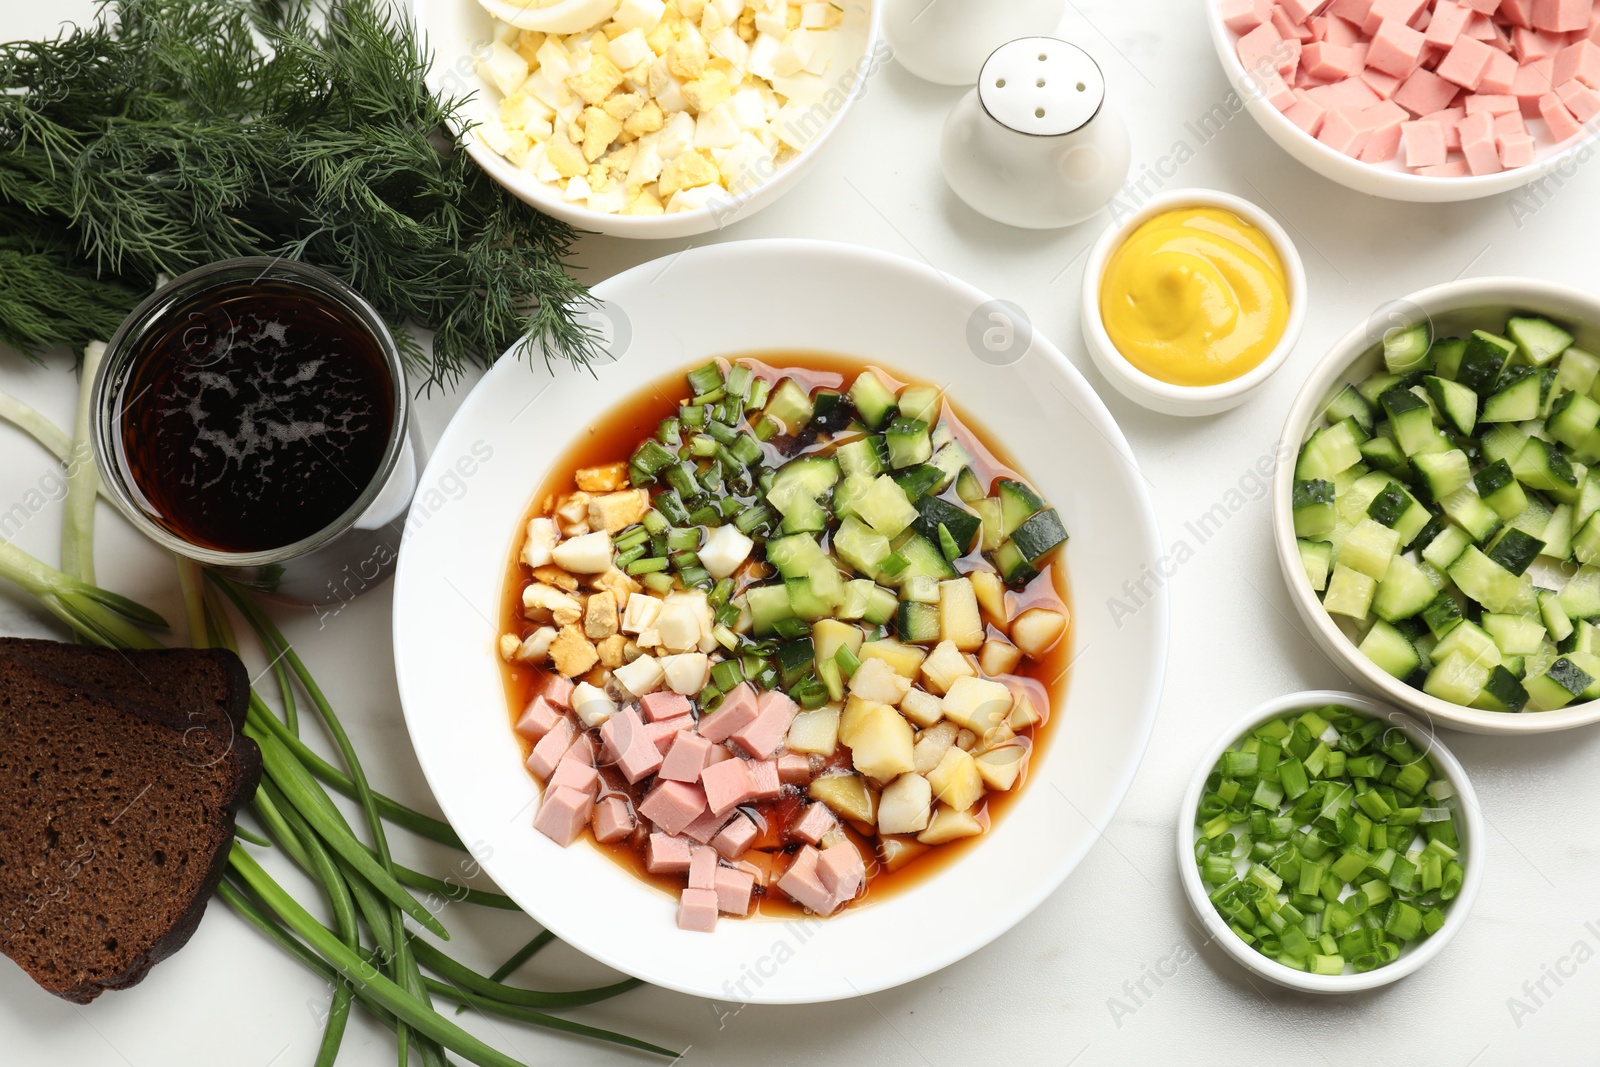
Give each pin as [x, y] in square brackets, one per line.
[200, 699]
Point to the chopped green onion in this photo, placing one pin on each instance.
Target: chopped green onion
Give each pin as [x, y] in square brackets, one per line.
[648, 566]
[705, 378]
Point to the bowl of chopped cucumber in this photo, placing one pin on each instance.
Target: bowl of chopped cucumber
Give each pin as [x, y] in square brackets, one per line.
[1439, 528]
[1327, 842]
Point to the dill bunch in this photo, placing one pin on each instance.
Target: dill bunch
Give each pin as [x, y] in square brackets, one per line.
[174, 133]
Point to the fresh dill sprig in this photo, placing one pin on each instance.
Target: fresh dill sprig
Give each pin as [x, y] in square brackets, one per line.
[174, 133]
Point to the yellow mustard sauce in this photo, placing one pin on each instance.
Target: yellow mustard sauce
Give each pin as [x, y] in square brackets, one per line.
[1195, 296]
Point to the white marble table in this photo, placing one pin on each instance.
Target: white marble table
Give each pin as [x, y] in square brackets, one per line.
[1109, 970]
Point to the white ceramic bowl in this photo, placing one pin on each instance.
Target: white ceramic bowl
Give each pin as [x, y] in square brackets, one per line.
[1154, 393]
[728, 299]
[1455, 309]
[1469, 829]
[1389, 180]
[458, 31]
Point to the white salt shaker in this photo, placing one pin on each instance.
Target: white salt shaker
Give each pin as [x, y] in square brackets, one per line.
[1036, 144]
[946, 41]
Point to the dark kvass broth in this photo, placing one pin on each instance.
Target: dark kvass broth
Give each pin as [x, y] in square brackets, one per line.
[254, 415]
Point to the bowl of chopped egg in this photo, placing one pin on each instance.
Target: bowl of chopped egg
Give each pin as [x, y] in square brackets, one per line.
[650, 118]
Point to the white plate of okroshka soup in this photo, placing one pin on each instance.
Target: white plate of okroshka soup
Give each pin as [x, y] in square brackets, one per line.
[788, 656]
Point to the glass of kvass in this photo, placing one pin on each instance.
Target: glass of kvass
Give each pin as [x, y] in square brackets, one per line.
[252, 415]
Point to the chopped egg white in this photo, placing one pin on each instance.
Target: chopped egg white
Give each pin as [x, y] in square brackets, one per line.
[667, 106]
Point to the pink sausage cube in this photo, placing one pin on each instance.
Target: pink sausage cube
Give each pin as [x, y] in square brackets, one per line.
[548, 752]
[727, 785]
[762, 737]
[1302, 10]
[673, 805]
[1242, 16]
[664, 705]
[1455, 168]
[1403, 11]
[1499, 76]
[1292, 32]
[1424, 143]
[613, 820]
[1580, 100]
[1465, 63]
[1480, 28]
[619, 733]
[702, 867]
[1594, 27]
[733, 890]
[572, 773]
[1509, 125]
[662, 733]
[737, 710]
[1259, 49]
[1517, 12]
[1448, 21]
[1340, 133]
[1450, 119]
[1352, 94]
[539, 719]
[803, 884]
[1533, 82]
[814, 824]
[1383, 144]
[705, 828]
[1516, 151]
[1477, 144]
[686, 758]
[667, 855]
[1334, 30]
[1494, 105]
[763, 775]
[719, 753]
[641, 760]
[1580, 61]
[794, 768]
[1530, 45]
[558, 691]
[1353, 11]
[1275, 90]
[1563, 127]
[1561, 16]
[563, 814]
[697, 910]
[842, 873]
[1483, 7]
[736, 838]
[1383, 84]
[1330, 62]
[1425, 92]
[1396, 49]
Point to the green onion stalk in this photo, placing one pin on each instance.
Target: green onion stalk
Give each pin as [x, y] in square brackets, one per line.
[371, 955]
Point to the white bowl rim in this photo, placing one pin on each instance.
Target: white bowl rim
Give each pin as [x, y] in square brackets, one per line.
[1018, 907]
[1118, 232]
[1441, 299]
[684, 223]
[1411, 960]
[1471, 185]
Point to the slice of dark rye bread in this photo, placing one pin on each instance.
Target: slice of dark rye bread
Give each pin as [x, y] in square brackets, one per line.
[120, 778]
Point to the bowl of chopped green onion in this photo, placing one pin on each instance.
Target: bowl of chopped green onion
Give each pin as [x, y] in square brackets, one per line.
[1326, 843]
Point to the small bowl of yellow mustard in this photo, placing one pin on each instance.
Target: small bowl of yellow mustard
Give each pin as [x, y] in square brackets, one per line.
[1192, 302]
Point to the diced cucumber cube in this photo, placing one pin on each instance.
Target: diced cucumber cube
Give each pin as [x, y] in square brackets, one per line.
[1444, 549]
[1405, 350]
[1446, 356]
[1347, 403]
[1517, 401]
[1483, 360]
[1515, 550]
[790, 405]
[1554, 615]
[1470, 640]
[1456, 402]
[1313, 505]
[1580, 597]
[1390, 650]
[1514, 635]
[1491, 585]
[1350, 592]
[1443, 472]
[1539, 340]
[1331, 450]
[1317, 559]
[873, 400]
[1586, 542]
[1557, 536]
[1470, 513]
[1403, 592]
[1370, 548]
[1442, 615]
[1412, 421]
[1457, 679]
[1502, 692]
